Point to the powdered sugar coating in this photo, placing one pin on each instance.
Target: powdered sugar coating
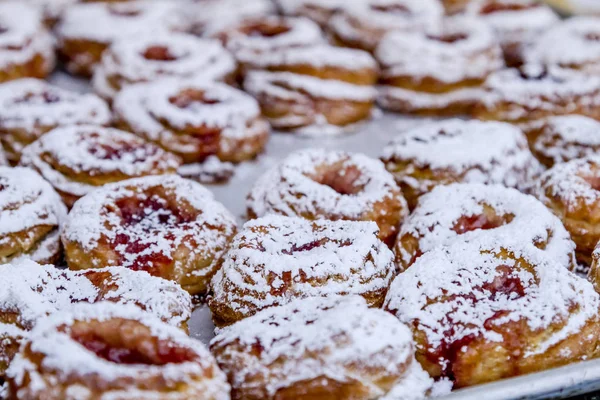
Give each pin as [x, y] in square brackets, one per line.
[319, 11]
[64, 153]
[459, 49]
[461, 151]
[66, 361]
[130, 60]
[475, 290]
[274, 260]
[328, 338]
[209, 16]
[525, 221]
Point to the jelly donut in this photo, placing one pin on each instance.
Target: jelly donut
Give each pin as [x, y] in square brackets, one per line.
[157, 56]
[31, 216]
[319, 11]
[481, 312]
[30, 292]
[531, 94]
[466, 211]
[76, 159]
[455, 58]
[565, 138]
[274, 260]
[454, 150]
[518, 24]
[166, 225]
[314, 90]
[316, 348]
[31, 107]
[362, 24]
[572, 44]
[106, 350]
[87, 29]
[26, 47]
[570, 190]
[194, 120]
[318, 184]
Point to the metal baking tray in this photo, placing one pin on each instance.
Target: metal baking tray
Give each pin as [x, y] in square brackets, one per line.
[370, 138]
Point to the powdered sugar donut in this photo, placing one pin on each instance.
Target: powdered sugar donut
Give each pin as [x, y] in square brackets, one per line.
[572, 44]
[519, 23]
[570, 191]
[166, 225]
[86, 30]
[209, 16]
[30, 292]
[480, 312]
[108, 350]
[317, 184]
[79, 158]
[194, 119]
[319, 11]
[157, 56]
[565, 138]
[31, 216]
[455, 6]
[274, 260]
[468, 211]
[32, 107]
[531, 94]
[454, 60]
[362, 24]
[315, 348]
[459, 151]
[26, 48]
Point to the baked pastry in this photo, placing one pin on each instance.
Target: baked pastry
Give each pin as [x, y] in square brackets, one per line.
[30, 292]
[528, 95]
[26, 48]
[86, 30]
[517, 23]
[570, 191]
[594, 272]
[455, 6]
[362, 24]
[467, 211]
[157, 56]
[565, 138]
[209, 16]
[166, 225]
[194, 120]
[32, 107]
[315, 348]
[572, 44]
[318, 184]
[106, 350]
[481, 312]
[274, 260]
[317, 90]
[438, 71]
[31, 216]
[454, 150]
[319, 11]
[76, 159]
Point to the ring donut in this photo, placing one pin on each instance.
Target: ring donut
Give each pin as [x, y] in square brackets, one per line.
[209, 16]
[319, 11]
[317, 184]
[77, 159]
[280, 259]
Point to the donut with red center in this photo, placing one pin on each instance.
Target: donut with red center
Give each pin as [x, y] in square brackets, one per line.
[468, 211]
[209, 16]
[166, 225]
[79, 158]
[318, 348]
[481, 311]
[454, 150]
[87, 29]
[454, 60]
[318, 184]
[30, 292]
[319, 11]
[32, 107]
[31, 216]
[157, 56]
[274, 260]
[108, 350]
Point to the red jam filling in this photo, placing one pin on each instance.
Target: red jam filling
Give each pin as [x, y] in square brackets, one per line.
[450, 38]
[467, 224]
[159, 53]
[493, 7]
[266, 30]
[344, 181]
[190, 97]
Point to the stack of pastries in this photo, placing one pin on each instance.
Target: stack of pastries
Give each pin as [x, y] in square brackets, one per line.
[465, 252]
